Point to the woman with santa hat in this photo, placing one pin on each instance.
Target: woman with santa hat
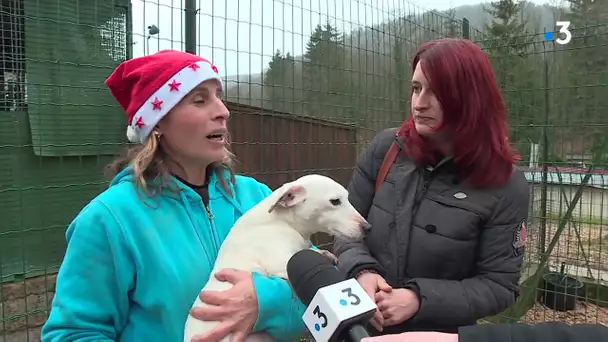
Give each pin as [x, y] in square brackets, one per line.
[139, 253]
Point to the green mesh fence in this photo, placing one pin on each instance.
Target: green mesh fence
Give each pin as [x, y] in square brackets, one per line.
[559, 124]
[58, 127]
[309, 80]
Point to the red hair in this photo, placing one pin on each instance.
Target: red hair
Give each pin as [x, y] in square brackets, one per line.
[462, 79]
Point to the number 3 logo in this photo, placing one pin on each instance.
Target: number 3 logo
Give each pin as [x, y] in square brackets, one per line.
[563, 28]
[317, 311]
[355, 299]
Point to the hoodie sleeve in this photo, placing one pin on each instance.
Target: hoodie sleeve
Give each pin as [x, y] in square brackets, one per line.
[279, 309]
[91, 299]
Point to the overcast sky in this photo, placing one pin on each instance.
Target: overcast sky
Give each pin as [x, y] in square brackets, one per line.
[240, 39]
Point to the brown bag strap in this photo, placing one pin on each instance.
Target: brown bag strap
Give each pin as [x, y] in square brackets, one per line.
[389, 159]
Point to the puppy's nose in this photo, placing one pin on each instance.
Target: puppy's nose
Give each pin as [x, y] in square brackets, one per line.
[365, 226]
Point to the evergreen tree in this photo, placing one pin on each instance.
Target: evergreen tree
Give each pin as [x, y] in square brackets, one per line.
[450, 24]
[586, 67]
[511, 50]
[323, 73]
[507, 22]
[279, 84]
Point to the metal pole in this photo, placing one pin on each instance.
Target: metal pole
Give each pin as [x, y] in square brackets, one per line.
[190, 25]
[545, 157]
[466, 29]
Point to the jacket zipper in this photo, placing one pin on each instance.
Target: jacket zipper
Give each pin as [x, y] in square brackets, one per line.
[427, 176]
[211, 226]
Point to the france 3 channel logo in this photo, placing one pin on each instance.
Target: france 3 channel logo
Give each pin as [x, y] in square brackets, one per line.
[564, 35]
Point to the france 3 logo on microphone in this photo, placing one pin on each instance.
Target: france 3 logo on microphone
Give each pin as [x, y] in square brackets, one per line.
[564, 35]
[334, 306]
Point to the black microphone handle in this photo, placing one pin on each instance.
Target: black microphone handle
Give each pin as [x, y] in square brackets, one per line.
[356, 333]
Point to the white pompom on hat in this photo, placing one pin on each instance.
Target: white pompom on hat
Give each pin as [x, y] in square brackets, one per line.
[148, 87]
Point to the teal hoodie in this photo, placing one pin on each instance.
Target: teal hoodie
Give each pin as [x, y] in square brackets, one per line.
[132, 270]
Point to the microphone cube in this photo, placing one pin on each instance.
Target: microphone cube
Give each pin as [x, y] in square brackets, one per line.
[335, 307]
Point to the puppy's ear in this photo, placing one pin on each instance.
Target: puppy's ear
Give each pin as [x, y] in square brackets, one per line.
[295, 194]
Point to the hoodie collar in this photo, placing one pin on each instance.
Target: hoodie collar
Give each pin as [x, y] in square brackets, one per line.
[215, 188]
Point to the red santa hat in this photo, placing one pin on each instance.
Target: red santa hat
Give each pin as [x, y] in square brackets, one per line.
[148, 87]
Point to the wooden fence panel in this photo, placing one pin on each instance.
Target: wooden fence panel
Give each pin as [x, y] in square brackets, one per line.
[276, 147]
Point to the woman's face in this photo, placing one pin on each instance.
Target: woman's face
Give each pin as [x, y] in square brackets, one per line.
[195, 130]
[425, 106]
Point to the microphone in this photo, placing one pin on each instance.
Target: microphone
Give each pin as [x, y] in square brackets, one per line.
[335, 307]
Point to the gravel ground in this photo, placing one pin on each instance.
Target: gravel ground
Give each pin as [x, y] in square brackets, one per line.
[584, 313]
[590, 251]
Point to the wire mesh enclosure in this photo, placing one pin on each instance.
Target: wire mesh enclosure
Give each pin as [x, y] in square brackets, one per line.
[309, 83]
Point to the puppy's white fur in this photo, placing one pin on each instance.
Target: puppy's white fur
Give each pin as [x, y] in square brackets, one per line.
[270, 233]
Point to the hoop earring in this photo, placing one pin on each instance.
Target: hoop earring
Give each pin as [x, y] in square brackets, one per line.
[157, 135]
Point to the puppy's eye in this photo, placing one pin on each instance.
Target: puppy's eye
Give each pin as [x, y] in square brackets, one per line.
[335, 201]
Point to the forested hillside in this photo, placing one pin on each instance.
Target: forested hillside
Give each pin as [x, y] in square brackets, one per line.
[362, 77]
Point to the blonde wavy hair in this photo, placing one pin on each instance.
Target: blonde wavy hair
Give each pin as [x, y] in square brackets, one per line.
[149, 162]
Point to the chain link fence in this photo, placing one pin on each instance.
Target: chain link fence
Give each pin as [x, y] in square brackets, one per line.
[312, 81]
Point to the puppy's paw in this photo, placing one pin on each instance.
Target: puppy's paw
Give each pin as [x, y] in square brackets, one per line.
[329, 255]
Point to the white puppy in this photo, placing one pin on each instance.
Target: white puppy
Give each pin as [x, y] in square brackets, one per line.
[270, 233]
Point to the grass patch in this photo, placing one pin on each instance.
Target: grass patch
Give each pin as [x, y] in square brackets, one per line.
[590, 220]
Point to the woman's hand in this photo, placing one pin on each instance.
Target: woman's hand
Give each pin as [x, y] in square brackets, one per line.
[237, 308]
[372, 283]
[417, 336]
[397, 305]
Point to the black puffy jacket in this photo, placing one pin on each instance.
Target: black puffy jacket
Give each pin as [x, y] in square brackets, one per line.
[459, 247]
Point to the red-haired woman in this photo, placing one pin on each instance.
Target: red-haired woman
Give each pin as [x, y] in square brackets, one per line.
[448, 213]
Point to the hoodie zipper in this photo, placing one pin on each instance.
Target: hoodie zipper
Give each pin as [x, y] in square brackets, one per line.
[211, 226]
[211, 217]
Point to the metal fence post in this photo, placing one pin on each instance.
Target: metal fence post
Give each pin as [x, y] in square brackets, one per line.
[466, 30]
[545, 157]
[190, 26]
